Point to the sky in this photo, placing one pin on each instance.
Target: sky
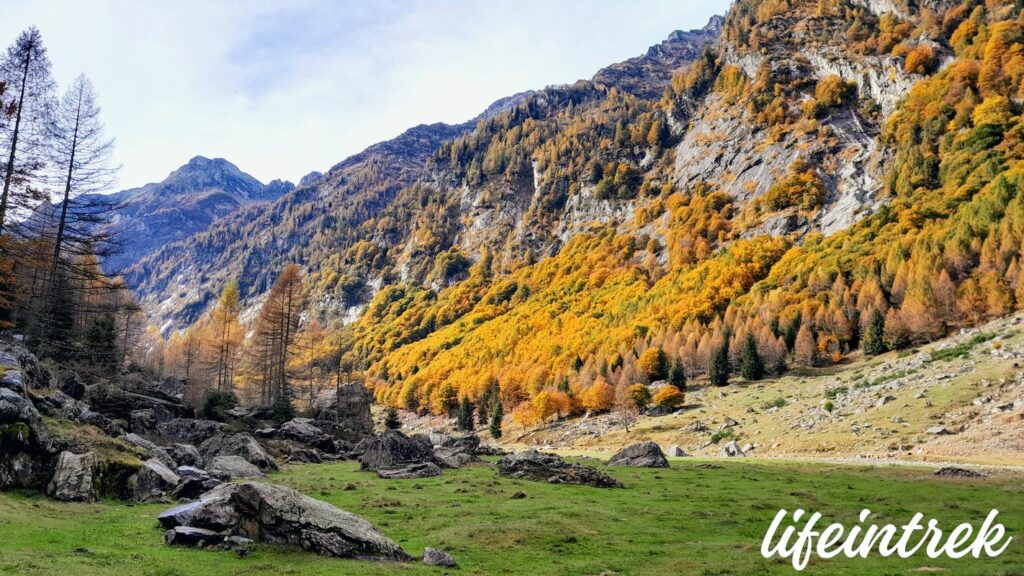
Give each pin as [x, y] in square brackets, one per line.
[282, 88]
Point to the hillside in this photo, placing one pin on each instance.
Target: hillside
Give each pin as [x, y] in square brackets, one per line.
[824, 177]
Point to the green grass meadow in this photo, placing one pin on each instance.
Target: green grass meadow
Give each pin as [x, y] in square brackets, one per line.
[699, 517]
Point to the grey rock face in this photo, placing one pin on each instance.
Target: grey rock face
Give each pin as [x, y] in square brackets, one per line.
[540, 467]
[230, 467]
[392, 449]
[280, 515]
[73, 478]
[644, 455]
[187, 430]
[28, 448]
[185, 455]
[154, 481]
[408, 471]
[240, 444]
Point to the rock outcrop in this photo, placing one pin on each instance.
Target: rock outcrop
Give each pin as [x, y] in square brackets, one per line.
[280, 515]
[394, 450]
[643, 455]
[241, 445]
[535, 465]
[74, 478]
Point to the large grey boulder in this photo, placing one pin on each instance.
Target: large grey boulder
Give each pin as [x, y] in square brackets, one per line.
[643, 455]
[280, 515]
[302, 430]
[194, 482]
[154, 482]
[242, 445]
[27, 451]
[144, 420]
[150, 451]
[231, 467]
[538, 466]
[345, 412]
[392, 449]
[187, 430]
[73, 478]
[185, 455]
[456, 457]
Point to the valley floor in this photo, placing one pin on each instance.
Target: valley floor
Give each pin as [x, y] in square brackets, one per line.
[700, 517]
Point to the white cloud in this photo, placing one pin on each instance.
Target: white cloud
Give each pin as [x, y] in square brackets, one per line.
[281, 89]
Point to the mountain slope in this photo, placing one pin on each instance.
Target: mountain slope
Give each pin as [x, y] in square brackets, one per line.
[186, 202]
[352, 229]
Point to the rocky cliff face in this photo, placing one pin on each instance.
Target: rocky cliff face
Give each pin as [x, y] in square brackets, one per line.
[187, 202]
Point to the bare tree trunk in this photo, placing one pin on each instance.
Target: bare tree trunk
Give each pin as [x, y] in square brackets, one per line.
[14, 144]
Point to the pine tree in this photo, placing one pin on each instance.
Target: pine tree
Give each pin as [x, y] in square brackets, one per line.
[677, 375]
[718, 368]
[464, 415]
[751, 367]
[391, 419]
[25, 71]
[496, 417]
[874, 339]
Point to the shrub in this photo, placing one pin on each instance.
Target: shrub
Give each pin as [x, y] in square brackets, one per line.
[670, 396]
[920, 60]
[654, 363]
[640, 395]
[216, 404]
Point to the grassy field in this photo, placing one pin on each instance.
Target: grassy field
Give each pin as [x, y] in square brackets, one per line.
[699, 517]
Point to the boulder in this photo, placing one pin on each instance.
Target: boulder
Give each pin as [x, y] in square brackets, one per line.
[74, 478]
[392, 449]
[150, 451]
[677, 451]
[145, 420]
[154, 481]
[231, 467]
[486, 450]
[434, 557]
[73, 386]
[643, 455]
[456, 457]
[27, 451]
[100, 421]
[408, 471]
[467, 442]
[194, 482]
[302, 430]
[173, 386]
[280, 515]
[187, 430]
[938, 431]
[178, 515]
[14, 380]
[118, 401]
[304, 456]
[345, 412]
[732, 450]
[185, 455]
[660, 410]
[540, 467]
[242, 445]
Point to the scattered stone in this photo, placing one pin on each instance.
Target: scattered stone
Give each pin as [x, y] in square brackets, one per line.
[73, 478]
[954, 472]
[698, 427]
[434, 557]
[884, 400]
[937, 431]
[643, 455]
[280, 515]
[535, 465]
[677, 451]
[732, 450]
[456, 457]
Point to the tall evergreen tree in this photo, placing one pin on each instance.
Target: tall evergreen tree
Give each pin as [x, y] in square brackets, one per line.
[718, 368]
[874, 339]
[464, 415]
[677, 374]
[751, 367]
[496, 417]
[391, 419]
